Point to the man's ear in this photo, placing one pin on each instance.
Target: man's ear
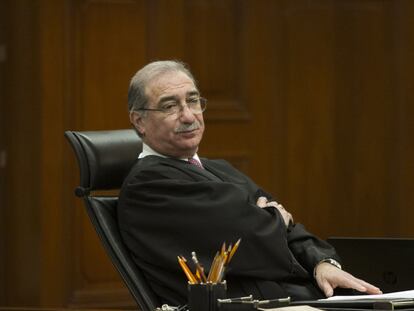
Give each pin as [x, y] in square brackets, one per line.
[137, 121]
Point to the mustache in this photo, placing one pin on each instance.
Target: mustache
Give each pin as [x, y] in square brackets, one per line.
[188, 127]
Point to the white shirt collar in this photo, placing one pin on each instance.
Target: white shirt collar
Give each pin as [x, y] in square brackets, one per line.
[147, 150]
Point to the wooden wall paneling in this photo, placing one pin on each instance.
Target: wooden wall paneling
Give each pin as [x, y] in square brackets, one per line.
[309, 153]
[264, 95]
[56, 252]
[165, 30]
[4, 22]
[363, 116]
[213, 41]
[346, 94]
[403, 166]
[112, 46]
[270, 68]
[22, 138]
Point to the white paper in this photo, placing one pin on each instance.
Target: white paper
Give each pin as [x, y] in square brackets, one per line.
[408, 294]
[291, 308]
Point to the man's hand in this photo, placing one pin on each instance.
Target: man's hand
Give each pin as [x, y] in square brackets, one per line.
[263, 202]
[330, 277]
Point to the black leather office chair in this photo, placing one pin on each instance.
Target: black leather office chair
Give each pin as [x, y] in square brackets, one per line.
[104, 159]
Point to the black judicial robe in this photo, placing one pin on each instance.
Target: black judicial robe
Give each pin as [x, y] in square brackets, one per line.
[168, 207]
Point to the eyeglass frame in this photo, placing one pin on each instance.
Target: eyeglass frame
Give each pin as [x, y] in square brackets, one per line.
[203, 101]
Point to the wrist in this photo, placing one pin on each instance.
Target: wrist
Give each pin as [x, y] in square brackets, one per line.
[330, 261]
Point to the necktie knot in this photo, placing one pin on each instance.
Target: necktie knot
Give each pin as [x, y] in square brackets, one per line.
[195, 162]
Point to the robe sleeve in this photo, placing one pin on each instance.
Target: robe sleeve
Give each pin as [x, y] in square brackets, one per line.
[307, 249]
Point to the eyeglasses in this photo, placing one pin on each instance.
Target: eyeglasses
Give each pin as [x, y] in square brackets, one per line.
[196, 105]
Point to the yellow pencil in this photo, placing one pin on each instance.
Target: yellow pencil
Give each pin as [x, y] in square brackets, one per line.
[223, 248]
[213, 268]
[200, 269]
[190, 276]
[233, 250]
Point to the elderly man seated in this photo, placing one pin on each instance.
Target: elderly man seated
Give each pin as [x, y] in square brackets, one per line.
[174, 202]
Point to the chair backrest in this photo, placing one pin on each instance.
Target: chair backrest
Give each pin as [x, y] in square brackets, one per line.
[105, 158]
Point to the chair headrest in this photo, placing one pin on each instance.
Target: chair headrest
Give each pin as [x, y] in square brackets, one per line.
[104, 157]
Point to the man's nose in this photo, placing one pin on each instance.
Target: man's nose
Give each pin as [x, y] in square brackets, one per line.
[186, 115]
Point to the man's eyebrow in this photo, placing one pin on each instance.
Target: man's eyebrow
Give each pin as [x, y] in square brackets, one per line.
[167, 98]
[193, 93]
[176, 98]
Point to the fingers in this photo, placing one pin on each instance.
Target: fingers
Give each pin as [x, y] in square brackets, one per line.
[325, 277]
[326, 288]
[352, 282]
[287, 217]
[362, 286]
[369, 288]
[262, 202]
[329, 277]
[327, 273]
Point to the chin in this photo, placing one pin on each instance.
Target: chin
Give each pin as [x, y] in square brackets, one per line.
[189, 145]
[190, 149]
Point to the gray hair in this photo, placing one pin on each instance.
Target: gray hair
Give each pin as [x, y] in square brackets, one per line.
[137, 99]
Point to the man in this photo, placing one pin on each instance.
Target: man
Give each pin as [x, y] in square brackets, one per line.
[168, 206]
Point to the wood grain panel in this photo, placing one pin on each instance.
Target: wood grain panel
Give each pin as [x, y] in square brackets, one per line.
[309, 74]
[3, 152]
[111, 36]
[402, 190]
[213, 39]
[363, 117]
[22, 139]
[165, 35]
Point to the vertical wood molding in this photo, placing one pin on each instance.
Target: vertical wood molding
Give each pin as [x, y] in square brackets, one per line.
[22, 242]
[363, 117]
[303, 110]
[4, 24]
[55, 235]
[402, 164]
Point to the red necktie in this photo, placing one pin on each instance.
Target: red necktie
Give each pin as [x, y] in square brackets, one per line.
[195, 162]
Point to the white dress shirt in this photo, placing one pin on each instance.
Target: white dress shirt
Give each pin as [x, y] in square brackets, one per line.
[147, 150]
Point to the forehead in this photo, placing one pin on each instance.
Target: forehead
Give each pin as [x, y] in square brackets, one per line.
[174, 83]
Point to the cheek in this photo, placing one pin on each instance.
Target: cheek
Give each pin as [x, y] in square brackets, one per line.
[162, 128]
[201, 121]
[202, 126]
[201, 131]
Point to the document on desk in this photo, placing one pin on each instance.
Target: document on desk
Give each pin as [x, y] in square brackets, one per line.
[408, 294]
[292, 308]
[390, 301]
